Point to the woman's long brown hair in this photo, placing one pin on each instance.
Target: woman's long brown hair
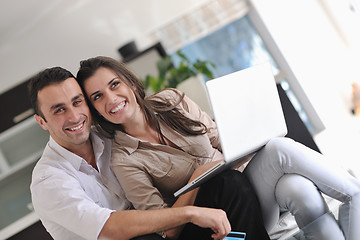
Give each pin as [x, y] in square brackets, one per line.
[153, 107]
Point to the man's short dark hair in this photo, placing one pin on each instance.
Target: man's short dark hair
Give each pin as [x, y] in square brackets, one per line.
[43, 79]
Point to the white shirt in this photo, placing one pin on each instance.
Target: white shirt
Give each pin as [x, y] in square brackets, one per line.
[72, 199]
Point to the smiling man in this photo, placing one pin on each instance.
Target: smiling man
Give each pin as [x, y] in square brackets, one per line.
[77, 196]
[64, 113]
[73, 189]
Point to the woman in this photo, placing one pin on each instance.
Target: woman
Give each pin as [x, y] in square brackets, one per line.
[153, 137]
[146, 184]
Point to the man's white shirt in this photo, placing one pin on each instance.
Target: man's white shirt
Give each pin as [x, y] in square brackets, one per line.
[72, 199]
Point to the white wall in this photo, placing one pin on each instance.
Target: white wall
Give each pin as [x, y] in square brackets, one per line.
[37, 34]
[323, 65]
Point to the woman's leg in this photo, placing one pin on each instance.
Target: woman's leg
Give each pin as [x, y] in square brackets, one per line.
[301, 197]
[282, 156]
[349, 214]
[232, 192]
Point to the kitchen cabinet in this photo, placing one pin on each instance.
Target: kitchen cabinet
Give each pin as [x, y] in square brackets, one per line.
[20, 147]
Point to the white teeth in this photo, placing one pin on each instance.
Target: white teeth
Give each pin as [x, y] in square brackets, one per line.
[118, 107]
[76, 128]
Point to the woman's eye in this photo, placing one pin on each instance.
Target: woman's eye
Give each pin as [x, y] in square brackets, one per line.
[96, 97]
[114, 84]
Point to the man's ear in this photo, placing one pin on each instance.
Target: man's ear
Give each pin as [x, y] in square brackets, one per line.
[41, 121]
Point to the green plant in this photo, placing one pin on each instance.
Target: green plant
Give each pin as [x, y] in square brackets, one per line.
[171, 76]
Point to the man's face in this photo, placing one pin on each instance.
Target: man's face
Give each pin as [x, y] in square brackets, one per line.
[67, 115]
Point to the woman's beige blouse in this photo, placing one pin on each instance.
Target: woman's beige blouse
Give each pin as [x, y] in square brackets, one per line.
[150, 173]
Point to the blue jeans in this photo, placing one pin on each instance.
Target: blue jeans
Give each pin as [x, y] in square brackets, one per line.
[286, 175]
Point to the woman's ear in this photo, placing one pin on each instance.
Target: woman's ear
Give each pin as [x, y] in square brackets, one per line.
[41, 121]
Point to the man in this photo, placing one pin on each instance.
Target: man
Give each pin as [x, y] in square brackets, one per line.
[77, 196]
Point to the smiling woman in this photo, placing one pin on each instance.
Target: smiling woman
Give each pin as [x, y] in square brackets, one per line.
[111, 96]
[165, 140]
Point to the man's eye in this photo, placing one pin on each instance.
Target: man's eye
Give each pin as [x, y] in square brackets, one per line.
[59, 110]
[77, 102]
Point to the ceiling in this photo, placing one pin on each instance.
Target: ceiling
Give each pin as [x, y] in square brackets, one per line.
[35, 34]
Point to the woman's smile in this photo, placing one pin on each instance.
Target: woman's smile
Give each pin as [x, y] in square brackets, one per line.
[118, 107]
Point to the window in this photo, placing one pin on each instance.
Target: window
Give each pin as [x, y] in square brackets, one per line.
[233, 47]
[231, 34]
[237, 46]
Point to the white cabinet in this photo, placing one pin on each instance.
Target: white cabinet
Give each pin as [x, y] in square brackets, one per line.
[20, 148]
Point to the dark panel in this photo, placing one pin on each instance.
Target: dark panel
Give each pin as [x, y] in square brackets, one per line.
[13, 103]
[296, 127]
[35, 231]
[158, 47]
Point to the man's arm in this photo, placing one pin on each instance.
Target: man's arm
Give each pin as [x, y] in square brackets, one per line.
[131, 223]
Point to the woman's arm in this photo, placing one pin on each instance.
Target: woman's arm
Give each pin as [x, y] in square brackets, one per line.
[138, 186]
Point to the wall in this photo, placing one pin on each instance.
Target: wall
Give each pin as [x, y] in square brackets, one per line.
[39, 33]
[323, 65]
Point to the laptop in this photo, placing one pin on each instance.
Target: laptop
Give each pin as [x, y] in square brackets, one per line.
[247, 112]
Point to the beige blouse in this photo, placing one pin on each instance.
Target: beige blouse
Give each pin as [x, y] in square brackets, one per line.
[150, 173]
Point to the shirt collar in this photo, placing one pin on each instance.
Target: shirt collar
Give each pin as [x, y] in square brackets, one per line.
[129, 143]
[75, 160]
[98, 145]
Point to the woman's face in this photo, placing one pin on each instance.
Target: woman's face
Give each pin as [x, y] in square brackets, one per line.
[111, 96]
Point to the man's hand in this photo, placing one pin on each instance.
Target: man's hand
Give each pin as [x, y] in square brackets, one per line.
[215, 219]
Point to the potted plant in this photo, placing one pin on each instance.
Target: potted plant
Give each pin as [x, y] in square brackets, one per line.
[186, 77]
[172, 76]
